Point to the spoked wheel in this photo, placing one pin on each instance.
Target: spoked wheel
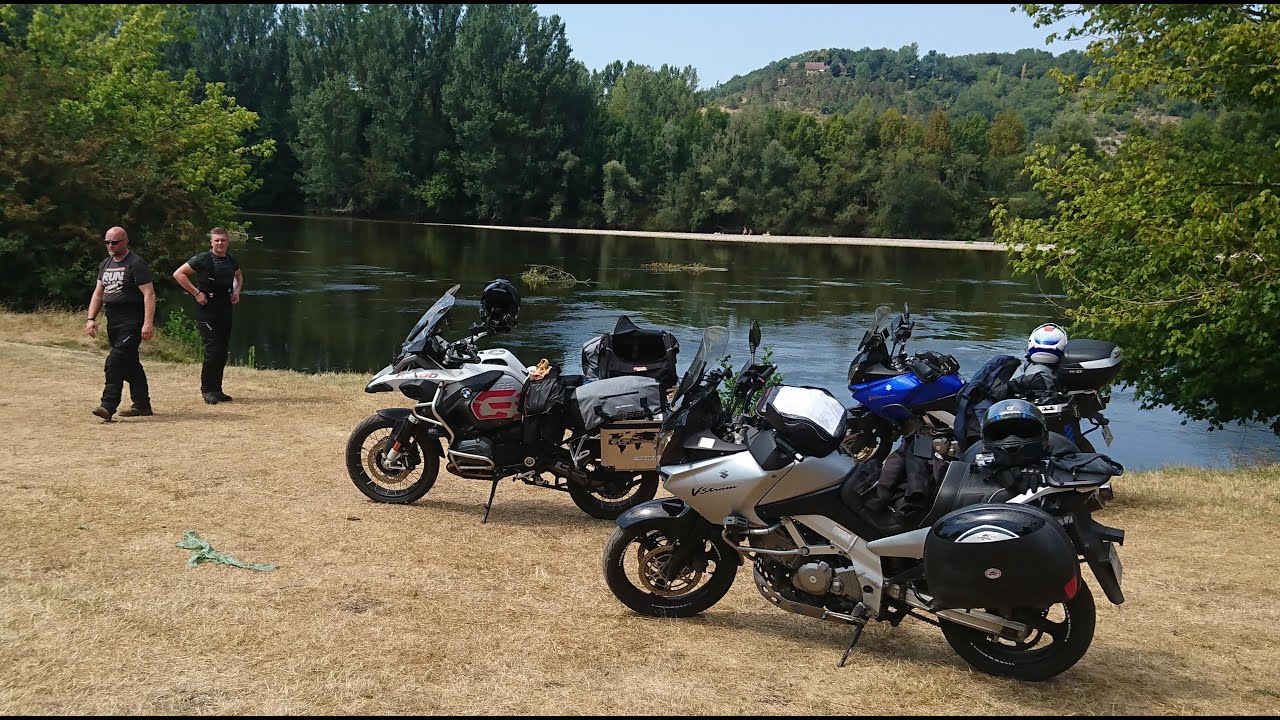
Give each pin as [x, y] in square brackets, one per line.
[611, 493]
[635, 564]
[410, 479]
[1059, 637]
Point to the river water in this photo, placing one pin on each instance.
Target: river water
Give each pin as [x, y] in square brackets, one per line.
[339, 295]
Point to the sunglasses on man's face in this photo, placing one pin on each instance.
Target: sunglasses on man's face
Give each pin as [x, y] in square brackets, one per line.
[113, 243]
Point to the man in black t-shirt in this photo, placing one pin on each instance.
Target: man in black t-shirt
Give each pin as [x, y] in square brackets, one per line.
[216, 287]
[125, 291]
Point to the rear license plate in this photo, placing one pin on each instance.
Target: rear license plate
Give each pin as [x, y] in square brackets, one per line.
[1113, 557]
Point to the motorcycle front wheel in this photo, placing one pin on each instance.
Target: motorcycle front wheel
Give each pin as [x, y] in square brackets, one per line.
[869, 440]
[634, 562]
[609, 493]
[1060, 636]
[366, 464]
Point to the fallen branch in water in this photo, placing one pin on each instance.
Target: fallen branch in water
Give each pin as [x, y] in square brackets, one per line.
[539, 275]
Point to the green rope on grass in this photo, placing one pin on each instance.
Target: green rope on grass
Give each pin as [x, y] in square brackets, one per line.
[204, 552]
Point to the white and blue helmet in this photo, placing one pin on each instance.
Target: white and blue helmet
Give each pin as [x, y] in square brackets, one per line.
[1047, 344]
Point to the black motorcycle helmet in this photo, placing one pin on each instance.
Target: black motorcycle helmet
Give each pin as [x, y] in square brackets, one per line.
[1015, 433]
[499, 306]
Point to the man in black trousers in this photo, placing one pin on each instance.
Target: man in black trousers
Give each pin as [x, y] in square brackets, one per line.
[216, 288]
[126, 292]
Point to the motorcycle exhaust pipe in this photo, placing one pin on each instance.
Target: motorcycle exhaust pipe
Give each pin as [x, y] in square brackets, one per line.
[976, 619]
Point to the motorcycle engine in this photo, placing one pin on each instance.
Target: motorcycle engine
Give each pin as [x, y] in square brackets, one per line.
[797, 579]
[814, 578]
[467, 458]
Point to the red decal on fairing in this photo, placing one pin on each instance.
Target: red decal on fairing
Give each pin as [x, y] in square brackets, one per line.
[496, 405]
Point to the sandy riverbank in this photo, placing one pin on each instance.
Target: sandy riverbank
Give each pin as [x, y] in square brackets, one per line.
[714, 237]
[770, 239]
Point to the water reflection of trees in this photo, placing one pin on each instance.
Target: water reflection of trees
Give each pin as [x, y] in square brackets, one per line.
[322, 313]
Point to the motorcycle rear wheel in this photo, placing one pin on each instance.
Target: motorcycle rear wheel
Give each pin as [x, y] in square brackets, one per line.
[634, 558]
[1068, 640]
[613, 492]
[366, 451]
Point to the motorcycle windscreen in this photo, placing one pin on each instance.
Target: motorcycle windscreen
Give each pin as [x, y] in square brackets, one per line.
[715, 340]
[416, 340]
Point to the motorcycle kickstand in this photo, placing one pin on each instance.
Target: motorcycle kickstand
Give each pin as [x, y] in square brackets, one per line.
[860, 612]
[492, 491]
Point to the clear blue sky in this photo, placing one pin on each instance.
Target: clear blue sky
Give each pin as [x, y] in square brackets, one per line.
[721, 41]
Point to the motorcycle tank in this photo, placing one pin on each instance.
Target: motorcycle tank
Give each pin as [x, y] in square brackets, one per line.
[487, 399]
[894, 397]
[998, 555]
[1089, 364]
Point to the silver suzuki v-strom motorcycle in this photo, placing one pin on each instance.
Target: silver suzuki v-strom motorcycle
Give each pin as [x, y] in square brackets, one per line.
[472, 408]
[994, 561]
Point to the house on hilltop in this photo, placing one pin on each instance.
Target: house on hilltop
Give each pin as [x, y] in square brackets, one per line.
[810, 67]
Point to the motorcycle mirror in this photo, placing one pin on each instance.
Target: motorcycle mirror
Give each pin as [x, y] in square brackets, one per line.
[754, 338]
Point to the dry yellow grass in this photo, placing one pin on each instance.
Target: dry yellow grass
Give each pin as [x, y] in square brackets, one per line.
[420, 609]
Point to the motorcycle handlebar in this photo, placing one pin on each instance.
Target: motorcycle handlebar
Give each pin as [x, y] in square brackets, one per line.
[464, 350]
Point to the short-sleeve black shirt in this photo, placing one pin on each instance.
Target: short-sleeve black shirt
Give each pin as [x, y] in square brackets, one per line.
[215, 276]
[120, 280]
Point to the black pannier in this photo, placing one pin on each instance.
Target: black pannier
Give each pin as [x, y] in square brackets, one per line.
[631, 350]
[997, 556]
[809, 419]
[541, 405]
[620, 398]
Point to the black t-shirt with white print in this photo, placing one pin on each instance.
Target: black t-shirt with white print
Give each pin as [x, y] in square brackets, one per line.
[120, 280]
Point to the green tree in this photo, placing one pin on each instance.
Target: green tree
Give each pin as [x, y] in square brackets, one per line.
[1007, 136]
[245, 47]
[97, 133]
[1171, 247]
[515, 100]
[937, 137]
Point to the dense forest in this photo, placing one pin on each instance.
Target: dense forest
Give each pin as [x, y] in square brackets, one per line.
[480, 113]
[171, 118]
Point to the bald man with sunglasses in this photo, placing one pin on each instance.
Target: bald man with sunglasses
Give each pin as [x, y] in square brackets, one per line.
[126, 292]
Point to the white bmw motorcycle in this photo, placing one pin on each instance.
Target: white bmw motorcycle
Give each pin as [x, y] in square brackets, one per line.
[596, 442]
[995, 561]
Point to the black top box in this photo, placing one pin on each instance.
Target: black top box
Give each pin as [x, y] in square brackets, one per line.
[1089, 364]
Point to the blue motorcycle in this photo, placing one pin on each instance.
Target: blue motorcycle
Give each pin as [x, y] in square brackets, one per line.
[897, 394]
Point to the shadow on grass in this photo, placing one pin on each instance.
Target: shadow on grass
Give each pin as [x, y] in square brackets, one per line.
[520, 512]
[1143, 673]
